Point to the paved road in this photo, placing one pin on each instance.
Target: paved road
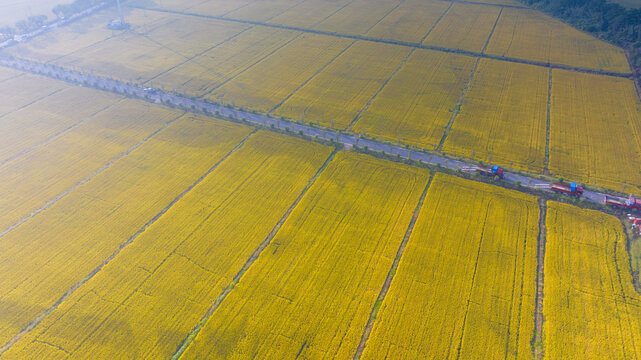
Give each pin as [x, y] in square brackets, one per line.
[348, 140]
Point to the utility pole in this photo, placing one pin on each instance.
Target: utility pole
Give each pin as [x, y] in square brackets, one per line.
[122, 17]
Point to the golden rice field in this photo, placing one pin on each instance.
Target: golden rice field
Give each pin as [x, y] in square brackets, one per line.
[18, 90]
[211, 7]
[410, 22]
[262, 10]
[595, 131]
[465, 27]
[267, 84]
[503, 116]
[358, 17]
[31, 181]
[531, 35]
[335, 96]
[47, 255]
[591, 309]
[145, 301]
[418, 102]
[465, 287]
[206, 72]
[308, 13]
[36, 123]
[312, 289]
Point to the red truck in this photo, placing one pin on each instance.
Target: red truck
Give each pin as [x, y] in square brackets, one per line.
[493, 171]
[629, 203]
[572, 189]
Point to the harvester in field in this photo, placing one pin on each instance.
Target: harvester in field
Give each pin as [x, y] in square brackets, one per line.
[492, 171]
[629, 203]
[572, 189]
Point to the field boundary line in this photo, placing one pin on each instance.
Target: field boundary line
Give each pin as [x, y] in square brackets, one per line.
[130, 240]
[489, 38]
[401, 43]
[34, 101]
[436, 23]
[87, 179]
[369, 103]
[537, 338]
[250, 261]
[471, 291]
[192, 58]
[457, 108]
[391, 273]
[251, 66]
[312, 77]
[58, 134]
[546, 160]
[384, 16]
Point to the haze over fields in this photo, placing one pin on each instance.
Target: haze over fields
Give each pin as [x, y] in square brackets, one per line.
[270, 179]
[13, 11]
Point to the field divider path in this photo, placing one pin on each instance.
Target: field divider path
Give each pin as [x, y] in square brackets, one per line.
[436, 23]
[250, 261]
[311, 78]
[390, 275]
[457, 108]
[369, 103]
[397, 42]
[130, 240]
[492, 32]
[56, 135]
[384, 16]
[88, 178]
[537, 338]
[157, 96]
[546, 161]
[32, 102]
[489, 4]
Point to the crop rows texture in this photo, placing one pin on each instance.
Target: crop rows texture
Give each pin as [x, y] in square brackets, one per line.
[309, 13]
[590, 308]
[208, 71]
[417, 103]
[595, 131]
[31, 181]
[497, 2]
[465, 286]
[337, 95]
[503, 117]
[312, 289]
[263, 10]
[19, 91]
[410, 22]
[268, 83]
[465, 27]
[212, 7]
[146, 301]
[358, 17]
[531, 35]
[39, 122]
[47, 255]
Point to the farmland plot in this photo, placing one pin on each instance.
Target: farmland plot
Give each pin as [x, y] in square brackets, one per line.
[503, 117]
[8, 73]
[358, 17]
[417, 103]
[206, 72]
[267, 84]
[337, 94]
[19, 91]
[410, 22]
[216, 7]
[311, 290]
[38, 122]
[465, 27]
[309, 13]
[595, 130]
[31, 181]
[590, 308]
[263, 10]
[531, 35]
[145, 302]
[465, 286]
[47, 255]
